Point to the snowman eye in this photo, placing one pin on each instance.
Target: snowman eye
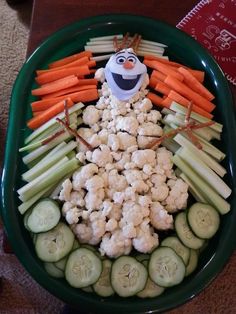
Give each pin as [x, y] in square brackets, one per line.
[132, 59]
[120, 60]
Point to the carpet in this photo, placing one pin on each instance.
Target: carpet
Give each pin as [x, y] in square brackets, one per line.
[19, 293]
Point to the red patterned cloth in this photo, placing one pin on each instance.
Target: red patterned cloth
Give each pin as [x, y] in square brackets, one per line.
[213, 24]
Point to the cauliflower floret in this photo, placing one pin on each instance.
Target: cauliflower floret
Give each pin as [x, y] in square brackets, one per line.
[118, 197]
[140, 186]
[115, 245]
[94, 183]
[66, 207]
[102, 156]
[145, 105]
[111, 225]
[142, 157]
[66, 190]
[126, 140]
[132, 213]
[100, 75]
[111, 210]
[80, 176]
[102, 103]
[159, 217]
[146, 240]
[144, 200]
[160, 193]
[83, 232]
[132, 175]
[116, 181]
[143, 141]
[158, 179]
[98, 225]
[178, 196]
[93, 199]
[154, 116]
[95, 140]
[141, 117]
[81, 157]
[91, 115]
[150, 129]
[86, 134]
[164, 160]
[103, 134]
[120, 165]
[128, 124]
[72, 215]
[113, 142]
[129, 231]
[106, 115]
[77, 198]
[148, 170]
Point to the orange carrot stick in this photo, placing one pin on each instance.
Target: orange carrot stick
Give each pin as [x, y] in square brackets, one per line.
[166, 102]
[80, 61]
[69, 90]
[69, 59]
[163, 60]
[55, 86]
[84, 96]
[193, 83]
[40, 119]
[187, 92]
[55, 75]
[160, 76]
[163, 68]
[155, 99]
[199, 75]
[162, 88]
[153, 81]
[185, 102]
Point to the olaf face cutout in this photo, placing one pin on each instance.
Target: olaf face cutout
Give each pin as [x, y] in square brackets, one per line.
[124, 74]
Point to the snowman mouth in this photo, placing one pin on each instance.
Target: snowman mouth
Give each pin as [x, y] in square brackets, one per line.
[126, 82]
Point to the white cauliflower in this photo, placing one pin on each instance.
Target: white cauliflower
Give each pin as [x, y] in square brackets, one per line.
[83, 232]
[142, 157]
[72, 215]
[128, 230]
[102, 156]
[144, 105]
[125, 158]
[143, 141]
[128, 124]
[94, 183]
[100, 75]
[98, 226]
[114, 245]
[158, 179]
[116, 181]
[146, 240]
[77, 198]
[178, 196]
[132, 213]
[103, 134]
[150, 129]
[144, 200]
[164, 160]
[159, 217]
[65, 191]
[126, 140]
[160, 193]
[140, 186]
[80, 176]
[93, 200]
[111, 225]
[133, 175]
[86, 134]
[154, 116]
[113, 142]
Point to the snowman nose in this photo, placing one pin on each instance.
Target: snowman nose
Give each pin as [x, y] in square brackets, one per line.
[128, 65]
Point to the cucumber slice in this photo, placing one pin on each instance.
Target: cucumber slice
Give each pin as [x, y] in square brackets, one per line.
[174, 243]
[83, 268]
[88, 289]
[103, 286]
[166, 268]
[44, 216]
[204, 220]
[128, 276]
[76, 245]
[53, 271]
[25, 220]
[142, 257]
[192, 264]
[185, 234]
[61, 264]
[53, 245]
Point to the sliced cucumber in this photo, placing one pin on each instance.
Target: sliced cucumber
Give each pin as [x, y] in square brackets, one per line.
[76, 244]
[103, 286]
[185, 234]
[192, 264]
[128, 276]
[204, 220]
[174, 243]
[142, 257]
[53, 245]
[83, 268]
[44, 216]
[25, 220]
[166, 268]
[61, 264]
[53, 271]
[88, 289]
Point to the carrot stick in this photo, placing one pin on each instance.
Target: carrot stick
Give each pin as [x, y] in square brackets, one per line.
[36, 113]
[84, 96]
[162, 88]
[153, 81]
[193, 83]
[80, 61]
[160, 76]
[69, 59]
[163, 68]
[185, 91]
[199, 75]
[40, 119]
[55, 86]
[156, 100]
[155, 58]
[92, 64]
[55, 75]
[166, 102]
[69, 90]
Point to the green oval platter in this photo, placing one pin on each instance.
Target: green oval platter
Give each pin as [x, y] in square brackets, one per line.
[181, 48]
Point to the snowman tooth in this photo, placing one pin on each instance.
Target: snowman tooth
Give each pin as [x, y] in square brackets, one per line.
[129, 77]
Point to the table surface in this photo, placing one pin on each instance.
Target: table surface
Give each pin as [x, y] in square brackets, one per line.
[49, 16]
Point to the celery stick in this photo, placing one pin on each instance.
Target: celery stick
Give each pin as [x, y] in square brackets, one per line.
[209, 161]
[193, 190]
[50, 177]
[45, 148]
[182, 110]
[101, 58]
[48, 162]
[212, 197]
[71, 154]
[205, 172]
[170, 144]
[52, 121]
[54, 151]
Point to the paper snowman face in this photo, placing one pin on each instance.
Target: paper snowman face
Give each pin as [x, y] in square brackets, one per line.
[124, 74]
